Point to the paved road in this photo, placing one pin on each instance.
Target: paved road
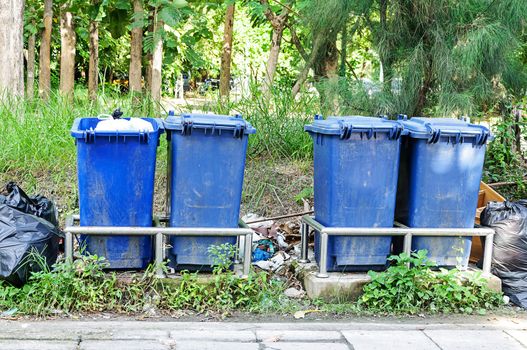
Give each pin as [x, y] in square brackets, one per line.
[148, 335]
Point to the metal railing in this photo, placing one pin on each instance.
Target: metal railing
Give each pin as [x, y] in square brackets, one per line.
[243, 230]
[401, 230]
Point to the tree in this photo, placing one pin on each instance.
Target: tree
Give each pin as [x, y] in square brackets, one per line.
[225, 70]
[157, 58]
[93, 69]
[136, 47]
[278, 23]
[68, 41]
[165, 12]
[324, 22]
[31, 30]
[12, 40]
[44, 76]
[452, 57]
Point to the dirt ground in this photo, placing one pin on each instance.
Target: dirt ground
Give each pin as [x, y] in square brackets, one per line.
[269, 189]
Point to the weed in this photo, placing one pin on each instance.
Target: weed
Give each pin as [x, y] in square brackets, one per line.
[226, 291]
[411, 286]
[84, 286]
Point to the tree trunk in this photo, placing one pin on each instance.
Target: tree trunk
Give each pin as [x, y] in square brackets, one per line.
[157, 61]
[325, 67]
[67, 53]
[272, 62]
[424, 90]
[343, 50]
[302, 76]
[225, 72]
[12, 43]
[327, 63]
[93, 69]
[44, 77]
[136, 51]
[278, 23]
[384, 54]
[148, 56]
[30, 84]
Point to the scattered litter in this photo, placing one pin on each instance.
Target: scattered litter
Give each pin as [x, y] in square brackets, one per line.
[280, 258]
[263, 249]
[9, 312]
[280, 238]
[294, 293]
[301, 314]
[255, 217]
[260, 254]
[264, 264]
[274, 263]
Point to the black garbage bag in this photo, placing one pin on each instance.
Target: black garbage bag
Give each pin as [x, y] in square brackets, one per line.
[35, 205]
[509, 260]
[21, 235]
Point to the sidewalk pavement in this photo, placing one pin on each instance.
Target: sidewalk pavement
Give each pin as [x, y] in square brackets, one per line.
[153, 335]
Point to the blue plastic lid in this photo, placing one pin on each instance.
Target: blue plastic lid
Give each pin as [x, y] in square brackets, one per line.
[187, 122]
[432, 129]
[345, 126]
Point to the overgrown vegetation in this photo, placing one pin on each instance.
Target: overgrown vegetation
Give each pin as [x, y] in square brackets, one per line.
[412, 286]
[84, 286]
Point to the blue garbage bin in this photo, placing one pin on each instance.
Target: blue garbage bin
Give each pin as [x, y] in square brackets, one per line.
[356, 162]
[116, 188]
[440, 173]
[207, 162]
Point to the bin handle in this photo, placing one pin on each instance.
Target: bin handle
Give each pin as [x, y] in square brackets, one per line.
[104, 116]
[435, 134]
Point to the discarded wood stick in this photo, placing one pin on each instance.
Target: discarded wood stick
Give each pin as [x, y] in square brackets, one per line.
[281, 217]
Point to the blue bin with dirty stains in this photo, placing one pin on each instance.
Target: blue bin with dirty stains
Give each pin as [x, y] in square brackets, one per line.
[206, 163]
[116, 188]
[356, 163]
[440, 173]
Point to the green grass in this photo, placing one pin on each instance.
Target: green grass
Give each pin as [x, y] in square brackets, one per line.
[39, 153]
[279, 120]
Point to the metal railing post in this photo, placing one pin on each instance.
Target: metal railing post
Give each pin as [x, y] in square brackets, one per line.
[304, 243]
[322, 271]
[487, 254]
[247, 256]
[407, 244]
[159, 256]
[68, 247]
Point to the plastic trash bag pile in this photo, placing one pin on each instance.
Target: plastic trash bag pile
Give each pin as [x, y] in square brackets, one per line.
[509, 260]
[28, 225]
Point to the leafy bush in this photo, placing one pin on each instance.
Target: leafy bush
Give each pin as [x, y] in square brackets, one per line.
[503, 162]
[411, 286]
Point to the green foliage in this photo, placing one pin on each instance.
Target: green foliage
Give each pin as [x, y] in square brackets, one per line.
[76, 287]
[226, 291]
[411, 286]
[279, 120]
[503, 162]
[306, 193]
[84, 286]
